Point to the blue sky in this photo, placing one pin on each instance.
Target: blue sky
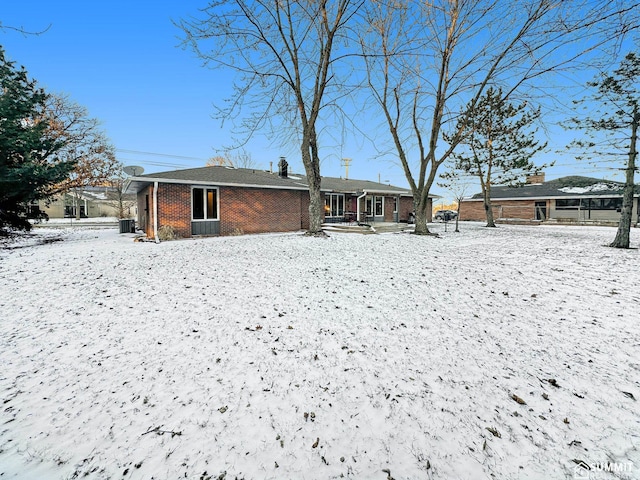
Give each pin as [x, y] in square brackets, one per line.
[122, 61]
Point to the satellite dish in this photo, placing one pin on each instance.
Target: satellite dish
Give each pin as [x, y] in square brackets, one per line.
[133, 170]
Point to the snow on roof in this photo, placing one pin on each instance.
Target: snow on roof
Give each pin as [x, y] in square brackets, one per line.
[596, 187]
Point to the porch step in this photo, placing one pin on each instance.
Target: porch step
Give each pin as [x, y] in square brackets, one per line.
[390, 227]
[347, 228]
[366, 229]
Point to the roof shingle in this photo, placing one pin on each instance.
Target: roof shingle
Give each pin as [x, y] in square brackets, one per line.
[248, 177]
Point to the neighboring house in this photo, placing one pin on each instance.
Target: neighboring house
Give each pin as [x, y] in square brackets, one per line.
[93, 202]
[570, 199]
[221, 200]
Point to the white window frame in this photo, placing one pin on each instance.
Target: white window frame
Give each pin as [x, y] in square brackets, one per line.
[375, 204]
[333, 200]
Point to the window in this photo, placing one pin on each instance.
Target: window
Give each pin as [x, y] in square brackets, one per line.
[396, 201]
[379, 202]
[609, 204]
[568, 204]
[374, 206]
[70, 211]
[204, 203]
[33, 209]
[589, 204]
[334, 205]
[601, 204]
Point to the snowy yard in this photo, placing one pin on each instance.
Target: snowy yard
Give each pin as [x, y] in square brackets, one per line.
[510, 354]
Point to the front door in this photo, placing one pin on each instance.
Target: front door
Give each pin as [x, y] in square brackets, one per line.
[374, 206]
[541, 211]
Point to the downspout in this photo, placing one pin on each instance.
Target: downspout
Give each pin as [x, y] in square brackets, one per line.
[155, 212]
[364, 194]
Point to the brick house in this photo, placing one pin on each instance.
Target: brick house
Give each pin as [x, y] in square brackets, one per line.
[571, 199]
[221, 200]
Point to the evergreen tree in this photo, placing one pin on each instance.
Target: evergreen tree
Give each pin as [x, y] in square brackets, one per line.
[496, 146]
[29, 166]
[611, 122]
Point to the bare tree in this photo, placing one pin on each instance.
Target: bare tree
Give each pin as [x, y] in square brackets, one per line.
[217, 161]
[85, 145]
[284, 54]
[426, 61]
[241, 159]
[454, 181]
[117, 198]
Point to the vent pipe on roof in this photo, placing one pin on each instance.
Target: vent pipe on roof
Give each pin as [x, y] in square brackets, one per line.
[283, 168]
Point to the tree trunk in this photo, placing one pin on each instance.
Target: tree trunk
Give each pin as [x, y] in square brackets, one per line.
[421, 206]
[76, 199]
[488, 209]
[316, 210]
[624, 227]
[316, 205]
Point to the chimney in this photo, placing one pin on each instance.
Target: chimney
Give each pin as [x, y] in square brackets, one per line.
[283, 168]
[535, 179]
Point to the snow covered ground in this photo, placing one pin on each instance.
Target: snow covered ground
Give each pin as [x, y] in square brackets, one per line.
[509, 353]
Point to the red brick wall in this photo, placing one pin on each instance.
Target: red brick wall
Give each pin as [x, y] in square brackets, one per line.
[246, 210]
[305, 201]
[174, 208]
[389, 202]
[256, 210]
[406, 208]
[512, 209]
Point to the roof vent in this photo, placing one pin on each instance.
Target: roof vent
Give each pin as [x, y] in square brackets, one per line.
[283, 168]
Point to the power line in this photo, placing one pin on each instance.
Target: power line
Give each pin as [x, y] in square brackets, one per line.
[155, 154]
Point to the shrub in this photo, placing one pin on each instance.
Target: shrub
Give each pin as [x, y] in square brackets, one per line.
[166, 232]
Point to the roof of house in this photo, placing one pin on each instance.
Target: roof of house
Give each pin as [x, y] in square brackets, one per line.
[97, 194]
[565, 187]
[256, 178]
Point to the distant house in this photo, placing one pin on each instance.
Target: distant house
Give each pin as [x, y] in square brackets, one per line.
[221, 200]
[572, 199]
[92, 202]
